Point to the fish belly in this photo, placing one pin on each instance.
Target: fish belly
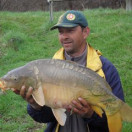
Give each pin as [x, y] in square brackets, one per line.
[58, 96]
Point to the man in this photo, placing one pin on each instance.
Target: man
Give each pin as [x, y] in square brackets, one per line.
[73, 32]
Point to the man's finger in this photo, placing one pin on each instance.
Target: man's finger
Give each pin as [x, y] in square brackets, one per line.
[29, 93]
[77, 105]
[83, 102]
[23, 92]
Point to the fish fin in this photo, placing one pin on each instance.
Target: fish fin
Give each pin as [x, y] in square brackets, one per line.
[60, 115]
[114, 122]
[126, 112]
[71, 111]
[98, 110]
[38, 96]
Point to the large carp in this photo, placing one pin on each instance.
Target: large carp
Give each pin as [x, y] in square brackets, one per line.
[57, 82]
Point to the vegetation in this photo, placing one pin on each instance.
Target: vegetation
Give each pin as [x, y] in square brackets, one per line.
[27, 36]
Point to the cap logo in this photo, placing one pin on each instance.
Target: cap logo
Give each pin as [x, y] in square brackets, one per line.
[70, 17]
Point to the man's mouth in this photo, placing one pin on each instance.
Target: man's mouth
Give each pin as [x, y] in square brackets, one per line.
[67, 43]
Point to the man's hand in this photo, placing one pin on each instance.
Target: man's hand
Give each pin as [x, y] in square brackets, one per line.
[81, 107]
[27, 95]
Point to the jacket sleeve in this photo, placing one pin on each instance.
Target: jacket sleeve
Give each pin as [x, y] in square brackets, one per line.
[113, 79]
[44, 115]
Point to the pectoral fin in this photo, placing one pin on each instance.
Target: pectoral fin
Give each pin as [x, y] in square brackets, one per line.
[98, 110]
[60, 115]
[38, 96]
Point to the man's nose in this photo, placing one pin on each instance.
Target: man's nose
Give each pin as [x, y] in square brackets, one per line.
[65, 35]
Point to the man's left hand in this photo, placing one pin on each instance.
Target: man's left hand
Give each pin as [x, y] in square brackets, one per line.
[81, 107]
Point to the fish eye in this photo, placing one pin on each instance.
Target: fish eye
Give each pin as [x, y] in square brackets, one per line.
[13, 77]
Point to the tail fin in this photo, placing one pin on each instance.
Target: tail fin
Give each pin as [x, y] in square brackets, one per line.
[126, 113]
[114, 122]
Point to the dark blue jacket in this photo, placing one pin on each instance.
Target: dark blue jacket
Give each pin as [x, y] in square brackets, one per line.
[95, 123]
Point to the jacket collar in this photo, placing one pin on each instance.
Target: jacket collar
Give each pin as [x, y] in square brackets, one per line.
[93, 60]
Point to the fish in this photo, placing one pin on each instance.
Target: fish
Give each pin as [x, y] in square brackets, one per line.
[57, 82]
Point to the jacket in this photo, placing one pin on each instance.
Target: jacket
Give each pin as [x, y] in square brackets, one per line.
[104, 68]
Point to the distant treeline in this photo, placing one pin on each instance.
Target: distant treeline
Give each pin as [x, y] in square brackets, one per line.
[34, 5]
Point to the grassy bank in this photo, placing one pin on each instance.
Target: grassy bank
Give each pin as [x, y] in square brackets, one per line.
[27, 36]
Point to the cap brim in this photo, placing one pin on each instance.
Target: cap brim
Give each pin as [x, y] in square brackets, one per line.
[65, 25]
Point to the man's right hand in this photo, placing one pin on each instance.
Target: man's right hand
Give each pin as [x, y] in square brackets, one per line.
[27, 95]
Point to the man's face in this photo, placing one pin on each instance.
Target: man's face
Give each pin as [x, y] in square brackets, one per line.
[73, 39]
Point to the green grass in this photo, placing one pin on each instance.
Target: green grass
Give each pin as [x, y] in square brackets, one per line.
[27, 36]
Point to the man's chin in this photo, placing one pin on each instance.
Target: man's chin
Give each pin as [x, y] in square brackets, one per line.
[69, 51]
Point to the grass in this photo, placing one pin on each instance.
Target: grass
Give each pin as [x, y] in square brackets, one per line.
[27, 36]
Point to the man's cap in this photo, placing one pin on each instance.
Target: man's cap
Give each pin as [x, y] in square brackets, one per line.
[70, 19]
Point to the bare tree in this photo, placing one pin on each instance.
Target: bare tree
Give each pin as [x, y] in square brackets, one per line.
[3, 4]
[33, 5]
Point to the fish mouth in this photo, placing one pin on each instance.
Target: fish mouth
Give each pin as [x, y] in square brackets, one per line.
[2, 85]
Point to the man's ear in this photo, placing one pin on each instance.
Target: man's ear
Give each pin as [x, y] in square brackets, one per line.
[86, 32]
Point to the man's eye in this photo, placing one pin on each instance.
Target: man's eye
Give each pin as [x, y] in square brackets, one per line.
[60, 32]
[72, 30]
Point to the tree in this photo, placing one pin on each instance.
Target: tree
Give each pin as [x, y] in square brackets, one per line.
[128, 5]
